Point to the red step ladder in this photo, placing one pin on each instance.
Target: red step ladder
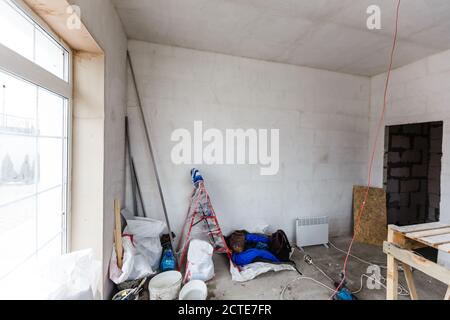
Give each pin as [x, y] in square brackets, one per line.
[201, 222]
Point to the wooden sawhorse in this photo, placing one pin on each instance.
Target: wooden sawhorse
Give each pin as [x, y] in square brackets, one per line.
[398, 248]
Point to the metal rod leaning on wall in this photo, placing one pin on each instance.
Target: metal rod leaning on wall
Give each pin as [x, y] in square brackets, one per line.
[133, 177]
[147, 135]
[139, 193]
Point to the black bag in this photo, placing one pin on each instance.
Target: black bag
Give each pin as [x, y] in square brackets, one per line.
[279, 245]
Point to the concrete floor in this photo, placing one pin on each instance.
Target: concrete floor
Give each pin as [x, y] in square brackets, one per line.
[269, 286]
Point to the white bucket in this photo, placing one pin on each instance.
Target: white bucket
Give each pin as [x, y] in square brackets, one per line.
[165, 286]
[194, 290]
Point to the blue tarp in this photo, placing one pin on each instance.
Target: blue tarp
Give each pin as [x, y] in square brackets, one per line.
[250, 237]
[250, 255]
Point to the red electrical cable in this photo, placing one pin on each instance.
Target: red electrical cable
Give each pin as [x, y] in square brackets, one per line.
[369, 179]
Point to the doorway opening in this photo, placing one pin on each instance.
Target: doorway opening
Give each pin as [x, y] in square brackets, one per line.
[412, 172]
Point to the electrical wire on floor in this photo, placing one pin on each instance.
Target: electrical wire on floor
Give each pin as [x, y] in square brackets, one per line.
[374, 149]
[357, 258]
[402, 291]
[400, 268]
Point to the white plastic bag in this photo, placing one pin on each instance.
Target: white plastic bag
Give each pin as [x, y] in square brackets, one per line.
[253, 270]
[141, 250]
[200, 264]
[75, 276]
[146, 237]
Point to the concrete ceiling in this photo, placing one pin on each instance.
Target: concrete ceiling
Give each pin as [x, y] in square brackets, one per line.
[326, 34]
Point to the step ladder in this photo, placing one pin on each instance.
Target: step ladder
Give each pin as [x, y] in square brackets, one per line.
[201, 222]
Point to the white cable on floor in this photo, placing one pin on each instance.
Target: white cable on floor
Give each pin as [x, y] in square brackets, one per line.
[303, 278]
[401, 289]
[358, 258]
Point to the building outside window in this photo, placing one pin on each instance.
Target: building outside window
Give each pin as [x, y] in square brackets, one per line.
[35, 96]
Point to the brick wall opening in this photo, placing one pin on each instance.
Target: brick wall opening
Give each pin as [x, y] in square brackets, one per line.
[412, 172]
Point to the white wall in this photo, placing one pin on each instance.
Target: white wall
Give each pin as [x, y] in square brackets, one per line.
[323, 122]
[104, 24]
[419, 92]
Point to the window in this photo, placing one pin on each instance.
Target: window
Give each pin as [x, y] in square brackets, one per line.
[28, 39]
[34, 140]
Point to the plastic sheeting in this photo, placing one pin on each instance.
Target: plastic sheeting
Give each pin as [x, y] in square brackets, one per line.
[253, 270]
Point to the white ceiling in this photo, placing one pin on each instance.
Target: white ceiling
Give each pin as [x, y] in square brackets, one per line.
[326, 34]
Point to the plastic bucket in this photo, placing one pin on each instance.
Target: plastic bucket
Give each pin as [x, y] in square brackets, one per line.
[194, 290]
[165, 286]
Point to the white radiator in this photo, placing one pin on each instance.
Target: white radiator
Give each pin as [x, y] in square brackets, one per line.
[311, 231]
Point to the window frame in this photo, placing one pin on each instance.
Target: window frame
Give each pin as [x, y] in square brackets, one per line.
[15, 64]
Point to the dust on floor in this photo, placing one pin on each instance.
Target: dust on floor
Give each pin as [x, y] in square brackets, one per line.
[269, 286]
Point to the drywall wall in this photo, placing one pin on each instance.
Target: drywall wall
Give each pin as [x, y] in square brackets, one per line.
[419, 92]
[102, 21]
[323, 122]
[88, 116]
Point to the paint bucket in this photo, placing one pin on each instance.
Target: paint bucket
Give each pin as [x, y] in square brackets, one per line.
[194, 290]
[165, 286]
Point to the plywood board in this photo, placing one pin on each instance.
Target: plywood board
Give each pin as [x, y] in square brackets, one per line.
[373, 223]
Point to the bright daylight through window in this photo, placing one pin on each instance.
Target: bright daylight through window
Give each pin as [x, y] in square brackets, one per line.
[34, 127]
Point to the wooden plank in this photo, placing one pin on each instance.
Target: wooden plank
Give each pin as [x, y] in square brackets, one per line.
[399, 239]
[372, 227]
[421, 227]
[427, 233]
[410, 281]
[118, 233]
[437, 240]
[444, 247]
[417, 262]
[392, 273]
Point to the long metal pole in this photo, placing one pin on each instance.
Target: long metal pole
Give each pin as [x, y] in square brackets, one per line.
[147, 135]
[132, 176]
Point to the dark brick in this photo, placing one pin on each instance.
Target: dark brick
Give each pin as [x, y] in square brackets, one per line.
[435, 159]
[438, 214]
[418, 198]
[395, 129]
[421, 143]
[434, 172]
[436, 132]
[394, 157]
[392, 216]
[404, 215]
[434, 186]
[400, 172]
[410, 186]
[412, 156]
[400, 142]
[393, 186]
[405, 199]
[436, 146]
[434, 200]
[431, 215]
[413, 129]
[394, 196]
[419, 171]
[422, 213]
